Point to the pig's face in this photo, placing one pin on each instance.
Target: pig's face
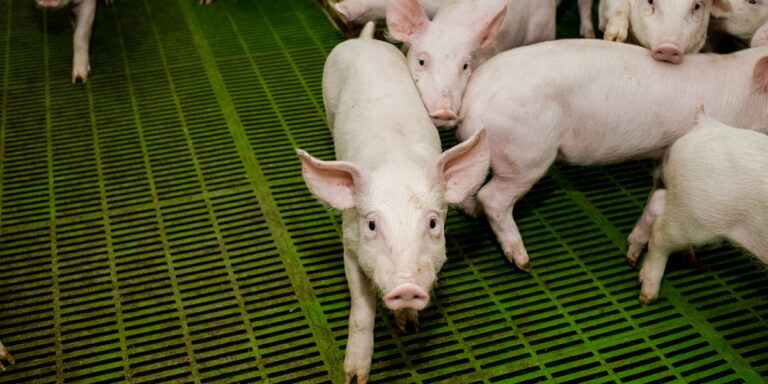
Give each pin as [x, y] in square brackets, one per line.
[440, 63]
[440, 54]
[394, 216]
[741, 18]
[399, 228]
[671, 28]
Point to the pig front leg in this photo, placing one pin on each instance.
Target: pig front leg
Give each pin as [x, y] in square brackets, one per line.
[614, 19]
[641, 233]
[84, 14]
[585, 15]
[5, 356]
[512, 178]
[362, 314]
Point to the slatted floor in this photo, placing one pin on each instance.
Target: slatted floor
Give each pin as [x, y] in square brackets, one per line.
[154, 227]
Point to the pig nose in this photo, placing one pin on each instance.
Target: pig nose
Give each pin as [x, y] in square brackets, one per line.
[406, 295]
[443, 114]
[668, 52]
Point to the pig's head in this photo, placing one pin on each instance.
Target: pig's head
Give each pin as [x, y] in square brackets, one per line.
[395, 215]
[740, 18]
[671, 28]
[441, 56]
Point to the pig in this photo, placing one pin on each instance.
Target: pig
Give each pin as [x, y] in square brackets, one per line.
[669, 28]
[611, 103]
[391, 184]
[715, 189]
[742, 19]
[5, 356]
[760, 39]
[362, 11]
[443, 52]
[84, 11]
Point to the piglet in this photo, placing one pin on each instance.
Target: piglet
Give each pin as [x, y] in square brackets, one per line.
[361, 11]
[84, 11]
[612, 103]
[463, 34]
[669, 28]
[715, 178]
[391, 183]
[742, 19]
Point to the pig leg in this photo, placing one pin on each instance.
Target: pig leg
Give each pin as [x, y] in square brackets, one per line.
[614, 19]
[541, 26]
[5, 356]
[641, 233]
[362, 314]
[585, 14]
[498, 198]
[404, 316]
[84, 12]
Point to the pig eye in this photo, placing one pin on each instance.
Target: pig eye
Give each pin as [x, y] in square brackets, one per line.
[650, 2]
[371, 225]
[466, 65]
[752, 1]
[696, 7]
[421, 62]
[432, 223]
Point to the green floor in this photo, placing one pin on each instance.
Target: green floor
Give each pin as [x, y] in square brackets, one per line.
[155, 228]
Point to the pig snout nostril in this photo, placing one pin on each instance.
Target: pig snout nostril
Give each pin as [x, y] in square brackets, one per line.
[670, 53]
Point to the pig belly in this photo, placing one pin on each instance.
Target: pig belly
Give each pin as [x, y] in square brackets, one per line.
[593, 145]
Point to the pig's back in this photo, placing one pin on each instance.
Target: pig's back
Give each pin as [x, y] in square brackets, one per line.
[373, 107]
[627, 104]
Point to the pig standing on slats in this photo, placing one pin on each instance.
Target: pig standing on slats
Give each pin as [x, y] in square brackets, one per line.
[463, 34]
[84, 11]
[716, 180]
[610, 103]
[391, 183]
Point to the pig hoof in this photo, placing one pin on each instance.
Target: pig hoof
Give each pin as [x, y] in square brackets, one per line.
[362, 378]
[405, 316]
[5, 356]
[616, 30]
[633, 254]
[646, 300]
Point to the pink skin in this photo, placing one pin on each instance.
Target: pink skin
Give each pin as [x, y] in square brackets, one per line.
[443, 52]
[740, 18]
[361, 11]
[535, 112]
[85, 11]
[760, 38]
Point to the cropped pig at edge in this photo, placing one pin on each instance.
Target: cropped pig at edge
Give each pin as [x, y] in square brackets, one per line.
[84, 11]
[612, 103]
[669, 28]
[442, 53]
[362, 11]
[715, 188]
[742, 19]
[391, 183]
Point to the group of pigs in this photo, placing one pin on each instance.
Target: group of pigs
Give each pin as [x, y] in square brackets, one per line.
[583, 102]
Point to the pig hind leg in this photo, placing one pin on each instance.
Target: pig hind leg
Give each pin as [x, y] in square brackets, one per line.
[672, 231]
[498, 199]
[84, 14]
[5, 356]
[641, 233]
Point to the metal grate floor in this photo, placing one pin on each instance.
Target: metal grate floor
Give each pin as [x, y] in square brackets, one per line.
[155, 228]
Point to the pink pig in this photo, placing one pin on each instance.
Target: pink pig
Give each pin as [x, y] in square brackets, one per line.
[610, 103]
[443, 52]
[391, 183]
[85, 11]
[714, 189]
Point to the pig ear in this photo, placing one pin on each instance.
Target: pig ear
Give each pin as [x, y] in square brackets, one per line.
[342, 9]
[462, 168]
[761, 73]
[720, 7]
[760, 38]
[491, 29]
[335, 182]
[405, 18]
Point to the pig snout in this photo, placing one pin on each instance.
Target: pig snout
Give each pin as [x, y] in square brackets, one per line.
[669, 52]
[406, 295]
[444, 117]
